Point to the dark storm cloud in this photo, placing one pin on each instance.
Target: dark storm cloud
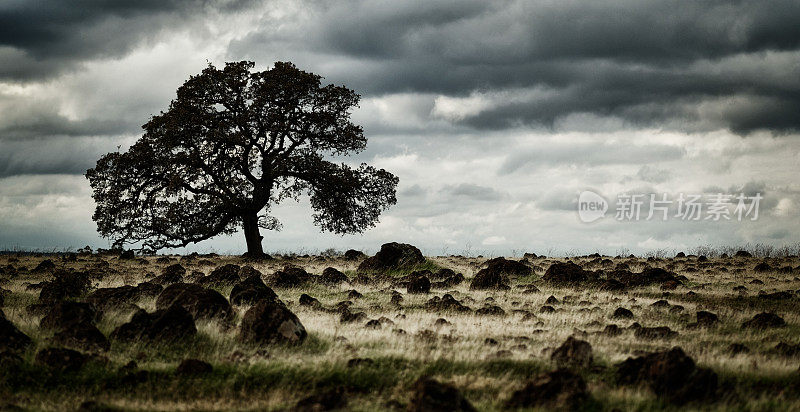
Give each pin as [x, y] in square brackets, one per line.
[635, 60]
[43, 38]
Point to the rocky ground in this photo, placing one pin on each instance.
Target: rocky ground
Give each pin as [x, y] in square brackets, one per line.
[399, 331]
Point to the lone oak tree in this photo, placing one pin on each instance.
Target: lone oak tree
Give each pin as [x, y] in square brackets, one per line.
[232, 144]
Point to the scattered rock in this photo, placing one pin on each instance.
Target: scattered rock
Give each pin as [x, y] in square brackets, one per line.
[83, 336]
[430, 395]
[332, 399]
[508, 267]
[223, 276]
[393, 256]
[352, 254]
[193, 367]
[622, 313]
[489, 279]
[764, 320]
[61, 359]
[419, 284]
[671, 374]
[446, 303]
[658, 332]
[65, 314]
[270, 321]
[165, 325]
[559, 389]
[250, 291]
[11, 338]
[66, 284]
[565, 274]
[202, 303]
[490, 310]
[573, 353]
[333, 277]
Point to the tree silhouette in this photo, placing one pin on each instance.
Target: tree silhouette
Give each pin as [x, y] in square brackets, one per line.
[232, 144]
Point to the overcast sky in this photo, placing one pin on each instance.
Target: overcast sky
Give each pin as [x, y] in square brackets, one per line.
[494, 115]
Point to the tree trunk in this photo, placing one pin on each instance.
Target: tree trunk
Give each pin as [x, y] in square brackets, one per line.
[252, 235]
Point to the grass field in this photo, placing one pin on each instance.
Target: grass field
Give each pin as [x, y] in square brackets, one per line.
[486, 357]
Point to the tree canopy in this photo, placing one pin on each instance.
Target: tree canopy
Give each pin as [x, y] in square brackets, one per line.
[233, 143]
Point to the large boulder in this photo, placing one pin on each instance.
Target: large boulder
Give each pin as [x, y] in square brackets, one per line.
[250, 291]
[764, 320]
[122, 296]
[565, 274]
[430, 395]
[61, 359]
[226, 275]
[573, 353]
[11, 338]
[511, 268]
[419, 284]
[171, 274]
[332, 277]
[65, 284]
[649, 276]
[65, 314]
[489, 279]
[270, 321]
[202, 303]
[82, 336]
[559, 389]
[165, 325]
[393, 256]
[353, 254]
[671, 374]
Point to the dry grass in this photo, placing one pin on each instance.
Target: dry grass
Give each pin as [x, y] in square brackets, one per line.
[275, 377]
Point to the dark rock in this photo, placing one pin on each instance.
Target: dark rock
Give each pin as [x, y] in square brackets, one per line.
[446, 303]
[354, 294]
[175, 270]
[782, 295]
[356, 362]
[333, 277]
[66, 284]
[430, 395]
[764, 320]
[763, 267]
[270, 321]
[352, 254]
[46, 265]
[11, 338]
[565, 274]
[787, 349]
[307, 300]
[547, 309]
[508, 267]
[743, 253]
[115, 298]
[250, 291]
[193, 367]
[65, 314]
[223, 276]
[671, 374]
[419, 284]
[83, 336]
[737, 348]
[127, 255]
[61, 359]
[202, 303]
[289, 277]
[329, 400]
[658, 332]
[660, 304]
[490, 310]
[349, 317]
[573, 353]
[373, 324]
[168, 325]
[622, 313]
[611, 330]
[489, 279]
[393, 256]
[559, 389]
